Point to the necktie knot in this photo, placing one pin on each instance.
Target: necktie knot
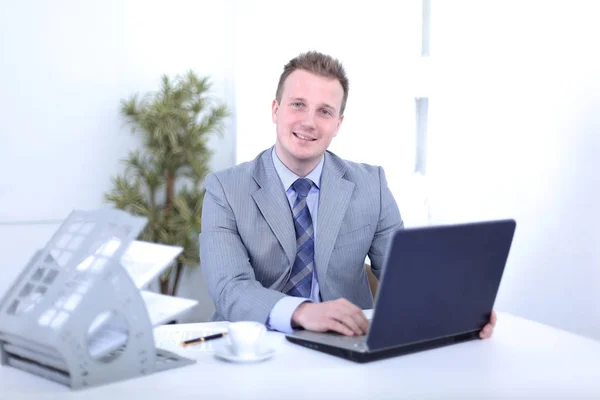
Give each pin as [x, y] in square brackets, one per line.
[302, 186]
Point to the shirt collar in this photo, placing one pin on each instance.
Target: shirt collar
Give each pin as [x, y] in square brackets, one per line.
[288, 177]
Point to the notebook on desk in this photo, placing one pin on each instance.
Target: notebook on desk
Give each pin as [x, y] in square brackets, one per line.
[438, 288]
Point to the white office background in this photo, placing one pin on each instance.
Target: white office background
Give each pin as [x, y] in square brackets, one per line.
[513, 128]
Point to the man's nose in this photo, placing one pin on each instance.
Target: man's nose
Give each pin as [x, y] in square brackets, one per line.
[308, 122]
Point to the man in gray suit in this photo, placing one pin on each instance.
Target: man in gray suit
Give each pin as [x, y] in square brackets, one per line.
[285, 236]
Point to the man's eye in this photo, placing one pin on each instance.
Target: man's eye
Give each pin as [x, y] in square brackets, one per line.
[297, 104]
[325, 112]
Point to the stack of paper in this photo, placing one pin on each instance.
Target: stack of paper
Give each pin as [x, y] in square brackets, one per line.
[163, 309]
[144, 262]
[169, 337]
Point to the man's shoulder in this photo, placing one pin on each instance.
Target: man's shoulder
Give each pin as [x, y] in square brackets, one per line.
[239, 178]
[235, 172]
[241, 171]
[354, 170]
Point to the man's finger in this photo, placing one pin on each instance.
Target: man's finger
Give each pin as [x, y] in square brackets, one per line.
[338, 327]
[361, 321]
[349, 321]
[486, 332]
[351, 315]
[493, 318]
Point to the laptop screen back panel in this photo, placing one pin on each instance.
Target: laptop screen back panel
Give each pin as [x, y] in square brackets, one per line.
[439, 282]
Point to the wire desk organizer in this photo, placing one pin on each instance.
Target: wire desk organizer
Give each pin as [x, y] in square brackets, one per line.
[74, 315]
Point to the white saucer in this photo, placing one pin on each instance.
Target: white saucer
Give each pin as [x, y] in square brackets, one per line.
[225, 353]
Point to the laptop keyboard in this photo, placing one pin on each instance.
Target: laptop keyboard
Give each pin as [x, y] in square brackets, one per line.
[349, 339]
[358, 343]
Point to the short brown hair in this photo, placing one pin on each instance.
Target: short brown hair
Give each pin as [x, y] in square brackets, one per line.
[318, 64]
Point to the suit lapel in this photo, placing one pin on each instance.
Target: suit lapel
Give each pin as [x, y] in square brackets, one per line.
[335, 194]
[274, 205]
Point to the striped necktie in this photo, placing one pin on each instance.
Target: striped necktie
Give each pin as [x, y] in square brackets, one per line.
[300, 283]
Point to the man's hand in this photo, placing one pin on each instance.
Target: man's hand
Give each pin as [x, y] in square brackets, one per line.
[337, 315]
[488, 330]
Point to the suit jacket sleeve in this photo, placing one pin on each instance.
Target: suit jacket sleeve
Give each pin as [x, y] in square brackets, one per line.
[389, 222]
[230, 278]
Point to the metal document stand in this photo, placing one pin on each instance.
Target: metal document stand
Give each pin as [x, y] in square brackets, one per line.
[74, 315]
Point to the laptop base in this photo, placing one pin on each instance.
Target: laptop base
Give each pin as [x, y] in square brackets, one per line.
[364, 357]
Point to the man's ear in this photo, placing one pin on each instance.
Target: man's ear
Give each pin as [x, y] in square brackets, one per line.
[274, 109]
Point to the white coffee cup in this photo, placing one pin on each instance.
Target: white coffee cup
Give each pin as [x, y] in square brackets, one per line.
[245, 337]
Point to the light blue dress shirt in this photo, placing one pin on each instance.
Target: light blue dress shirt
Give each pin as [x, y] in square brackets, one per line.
[280, 317]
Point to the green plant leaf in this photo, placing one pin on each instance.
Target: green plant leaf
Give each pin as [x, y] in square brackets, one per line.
[174, 124]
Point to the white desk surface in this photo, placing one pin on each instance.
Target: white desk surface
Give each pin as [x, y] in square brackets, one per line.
[524, 359]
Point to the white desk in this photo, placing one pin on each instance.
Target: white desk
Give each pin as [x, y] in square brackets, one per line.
[524, 359]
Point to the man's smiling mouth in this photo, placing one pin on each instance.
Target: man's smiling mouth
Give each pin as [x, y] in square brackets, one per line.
[309, 139]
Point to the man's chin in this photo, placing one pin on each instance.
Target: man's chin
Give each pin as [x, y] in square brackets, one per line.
[305, 156]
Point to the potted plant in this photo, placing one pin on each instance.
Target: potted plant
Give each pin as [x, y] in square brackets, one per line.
[163, 179]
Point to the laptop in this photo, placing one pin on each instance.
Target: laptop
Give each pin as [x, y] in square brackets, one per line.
[438, 288]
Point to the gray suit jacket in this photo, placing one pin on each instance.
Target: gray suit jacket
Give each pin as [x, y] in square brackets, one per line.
[248, 243]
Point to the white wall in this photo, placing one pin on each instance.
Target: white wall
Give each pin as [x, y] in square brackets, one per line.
[65, 67]
[515, 132]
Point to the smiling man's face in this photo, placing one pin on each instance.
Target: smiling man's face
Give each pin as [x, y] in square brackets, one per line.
[307, 118]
